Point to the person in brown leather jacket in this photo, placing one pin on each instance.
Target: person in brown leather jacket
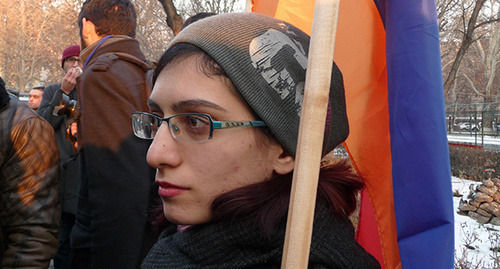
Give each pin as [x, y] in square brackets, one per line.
[117, 185]
[29, 188]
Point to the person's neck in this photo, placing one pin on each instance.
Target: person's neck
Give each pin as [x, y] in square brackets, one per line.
[86, 52]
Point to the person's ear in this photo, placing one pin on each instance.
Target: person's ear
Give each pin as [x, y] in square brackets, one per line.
[284, 164]
[88, 30]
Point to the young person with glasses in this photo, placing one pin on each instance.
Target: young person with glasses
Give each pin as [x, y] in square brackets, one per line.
[224, 117]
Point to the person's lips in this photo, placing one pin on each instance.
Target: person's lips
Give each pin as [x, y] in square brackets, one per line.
[169, 190]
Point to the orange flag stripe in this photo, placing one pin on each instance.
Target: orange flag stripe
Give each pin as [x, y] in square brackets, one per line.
[360, 55]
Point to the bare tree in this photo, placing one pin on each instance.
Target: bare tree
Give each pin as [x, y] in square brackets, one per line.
[152, 32]
[216, 6]
[488, 57]
[174, 20]
[447, 11]
[470, 24]
[188, 8]
[33, 33]
[30, 46]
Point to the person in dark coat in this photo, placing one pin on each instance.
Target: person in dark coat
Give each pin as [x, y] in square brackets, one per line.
[117, 186]
[225, 112]
[69, 162]
[29, 191]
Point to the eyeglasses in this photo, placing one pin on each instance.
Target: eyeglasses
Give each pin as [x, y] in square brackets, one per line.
[72, 60]
[186, 127]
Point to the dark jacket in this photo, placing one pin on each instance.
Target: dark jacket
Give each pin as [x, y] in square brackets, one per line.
[117, 185]
[29, 190]
[68, 166]
[240, 244]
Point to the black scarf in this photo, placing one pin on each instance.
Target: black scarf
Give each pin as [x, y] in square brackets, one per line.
[4, 95]
[240, 245]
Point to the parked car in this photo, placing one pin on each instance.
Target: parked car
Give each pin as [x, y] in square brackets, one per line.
[24, 97]
[467, 126]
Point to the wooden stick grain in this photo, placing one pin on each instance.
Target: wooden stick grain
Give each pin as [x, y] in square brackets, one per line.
[311, 131]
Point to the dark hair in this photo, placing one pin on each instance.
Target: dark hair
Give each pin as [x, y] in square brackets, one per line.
[196, 17]
[40, 88]
[110, 17]
[181, 51]
[266, 203]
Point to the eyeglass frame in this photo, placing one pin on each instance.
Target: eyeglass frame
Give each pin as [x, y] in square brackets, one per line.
[213, 124]
[72, 59]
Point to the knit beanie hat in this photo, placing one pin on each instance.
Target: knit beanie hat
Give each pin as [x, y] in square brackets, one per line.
[266, 59]
[70, 51]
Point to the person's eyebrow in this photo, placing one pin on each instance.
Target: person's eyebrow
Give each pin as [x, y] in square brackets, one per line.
[152, 104]
[194, 103]
[187, 104]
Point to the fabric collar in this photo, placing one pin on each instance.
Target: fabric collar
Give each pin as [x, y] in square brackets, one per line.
[88, 50]
[240, 244]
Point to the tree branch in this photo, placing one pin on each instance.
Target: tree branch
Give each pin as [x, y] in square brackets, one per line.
[466, 42]
[472, 85]
[486, 22]
[174, 20]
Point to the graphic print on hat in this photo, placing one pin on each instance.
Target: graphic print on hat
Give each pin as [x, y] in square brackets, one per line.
[263, 57]
[282, 62]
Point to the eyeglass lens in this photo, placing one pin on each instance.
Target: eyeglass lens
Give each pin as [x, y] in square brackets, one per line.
[192, 128]
[183, 127]
[145, 126]
[72, 60]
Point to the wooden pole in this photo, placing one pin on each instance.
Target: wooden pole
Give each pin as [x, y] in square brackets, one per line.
[311, 131]
[248, 6]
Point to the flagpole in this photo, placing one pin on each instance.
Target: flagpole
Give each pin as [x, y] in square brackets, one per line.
[248, 6]
[311, 131]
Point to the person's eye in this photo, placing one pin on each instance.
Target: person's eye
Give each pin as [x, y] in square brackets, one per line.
[195, 121]
[154, 122]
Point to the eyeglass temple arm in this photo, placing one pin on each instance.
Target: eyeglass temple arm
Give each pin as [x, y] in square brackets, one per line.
[234, 124]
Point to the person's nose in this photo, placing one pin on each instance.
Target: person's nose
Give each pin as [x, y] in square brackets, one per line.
[164, 150]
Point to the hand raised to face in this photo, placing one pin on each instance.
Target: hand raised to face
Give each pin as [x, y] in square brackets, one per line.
[69, 80]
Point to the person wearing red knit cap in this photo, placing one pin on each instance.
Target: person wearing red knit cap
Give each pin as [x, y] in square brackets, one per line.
[69, 164]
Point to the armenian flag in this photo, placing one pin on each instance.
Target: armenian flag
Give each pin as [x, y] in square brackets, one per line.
[388, 52]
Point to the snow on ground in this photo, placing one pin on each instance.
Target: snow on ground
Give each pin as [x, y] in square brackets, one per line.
[471, 139]
[468, 232]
